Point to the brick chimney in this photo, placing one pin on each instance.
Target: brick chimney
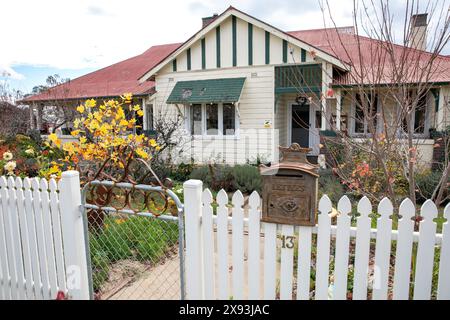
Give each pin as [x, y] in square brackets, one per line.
[418, 30]
[208, 20]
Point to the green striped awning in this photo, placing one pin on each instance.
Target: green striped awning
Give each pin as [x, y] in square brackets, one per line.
[207, 91]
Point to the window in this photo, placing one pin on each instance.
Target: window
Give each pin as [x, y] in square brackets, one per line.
[196, 119]
[229, 119]
[149, 116]
[318, 119]
[362, 118]
[418, 117]
[212, 119]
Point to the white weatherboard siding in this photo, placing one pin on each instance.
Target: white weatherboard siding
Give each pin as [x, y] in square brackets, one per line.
[256, 105]
[210, 49]
[276, 50]
[242, 42]
[226, 45]
[196, 51]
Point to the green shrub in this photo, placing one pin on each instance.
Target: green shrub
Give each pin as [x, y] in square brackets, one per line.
[426, 182]
[181, 171]
[247, 178]
[330, 185]
[216, 177]
[201, 173]
[100, 263]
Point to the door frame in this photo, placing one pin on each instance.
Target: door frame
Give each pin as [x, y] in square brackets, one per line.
[314, 138]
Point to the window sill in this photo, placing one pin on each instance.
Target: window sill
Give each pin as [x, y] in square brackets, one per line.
[206, 137]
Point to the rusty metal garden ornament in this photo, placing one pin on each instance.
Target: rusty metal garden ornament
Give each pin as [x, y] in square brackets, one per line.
[290, 188]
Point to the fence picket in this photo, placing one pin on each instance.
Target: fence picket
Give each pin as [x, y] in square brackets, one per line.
[425, 251]
[404, 250]
[40, 235]
[222, 245]
[5, 292]
[31, 226]
[57, 237]
[48, 235]
[254, 250]
[382, 250]
[323, 249]
[208, 245]
[342, 249]
[17, 244]
[287, 262]
[24, 238]
[9, 238]
[238, 245]
[304, 262]
[270, 260]
[362, 249]
[444, 263]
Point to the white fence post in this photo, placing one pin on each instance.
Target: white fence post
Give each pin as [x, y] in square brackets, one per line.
[73, 236]
[194, 263]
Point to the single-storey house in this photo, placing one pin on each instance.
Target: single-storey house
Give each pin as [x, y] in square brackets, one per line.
[245, 87]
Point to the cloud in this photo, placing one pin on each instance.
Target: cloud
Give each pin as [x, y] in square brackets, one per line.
[96, 11]
[7, 72]
[96, 33]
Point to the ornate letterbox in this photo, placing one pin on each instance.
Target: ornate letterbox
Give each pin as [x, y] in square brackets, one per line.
[290, 188]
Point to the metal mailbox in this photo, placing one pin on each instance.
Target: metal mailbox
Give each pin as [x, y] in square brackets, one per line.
[290, 188]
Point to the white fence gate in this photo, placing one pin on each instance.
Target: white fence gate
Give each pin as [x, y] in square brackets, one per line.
[237, 257]
[42, 240]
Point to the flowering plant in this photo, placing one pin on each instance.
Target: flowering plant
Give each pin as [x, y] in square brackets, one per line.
[107, 145]
[7, 164]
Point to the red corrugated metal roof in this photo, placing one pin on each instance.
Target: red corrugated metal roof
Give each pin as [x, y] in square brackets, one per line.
[123, 77]
[369, 59]
[111, 81]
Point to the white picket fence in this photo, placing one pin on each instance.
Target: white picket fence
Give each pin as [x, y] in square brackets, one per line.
[237, 257]
[42, 244]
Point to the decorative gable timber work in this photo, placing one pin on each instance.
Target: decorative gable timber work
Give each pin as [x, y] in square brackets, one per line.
[235, 39]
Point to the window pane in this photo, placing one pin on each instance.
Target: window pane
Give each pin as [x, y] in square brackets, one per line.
[229, 119]
[318, 120]
[419, 116]
[373, 112]
[371, 105]
[212, 119]
[149, 116]
[196, 119]
[359, 115]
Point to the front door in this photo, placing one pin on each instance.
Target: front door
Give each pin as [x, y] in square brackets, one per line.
[300, 125]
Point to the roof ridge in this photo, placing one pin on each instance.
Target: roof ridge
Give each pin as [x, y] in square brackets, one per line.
[321, 29]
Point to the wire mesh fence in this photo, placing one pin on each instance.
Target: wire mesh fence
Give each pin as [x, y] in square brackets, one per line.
[134, 241]
[134, 257]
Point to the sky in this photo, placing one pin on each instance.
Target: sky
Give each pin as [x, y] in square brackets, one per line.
[72, 38]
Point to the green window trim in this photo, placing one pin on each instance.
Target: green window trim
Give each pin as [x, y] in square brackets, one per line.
[188, 58]
[267, 47]
[218, 46]
[234, 37]
[174, 65]
[203, 54]
[285, 51]
[303, 55]
[250, 44]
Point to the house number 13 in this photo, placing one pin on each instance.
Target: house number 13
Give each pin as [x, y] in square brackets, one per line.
[287, 242]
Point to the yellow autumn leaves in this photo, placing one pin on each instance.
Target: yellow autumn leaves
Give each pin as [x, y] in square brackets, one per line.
[107, 132]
